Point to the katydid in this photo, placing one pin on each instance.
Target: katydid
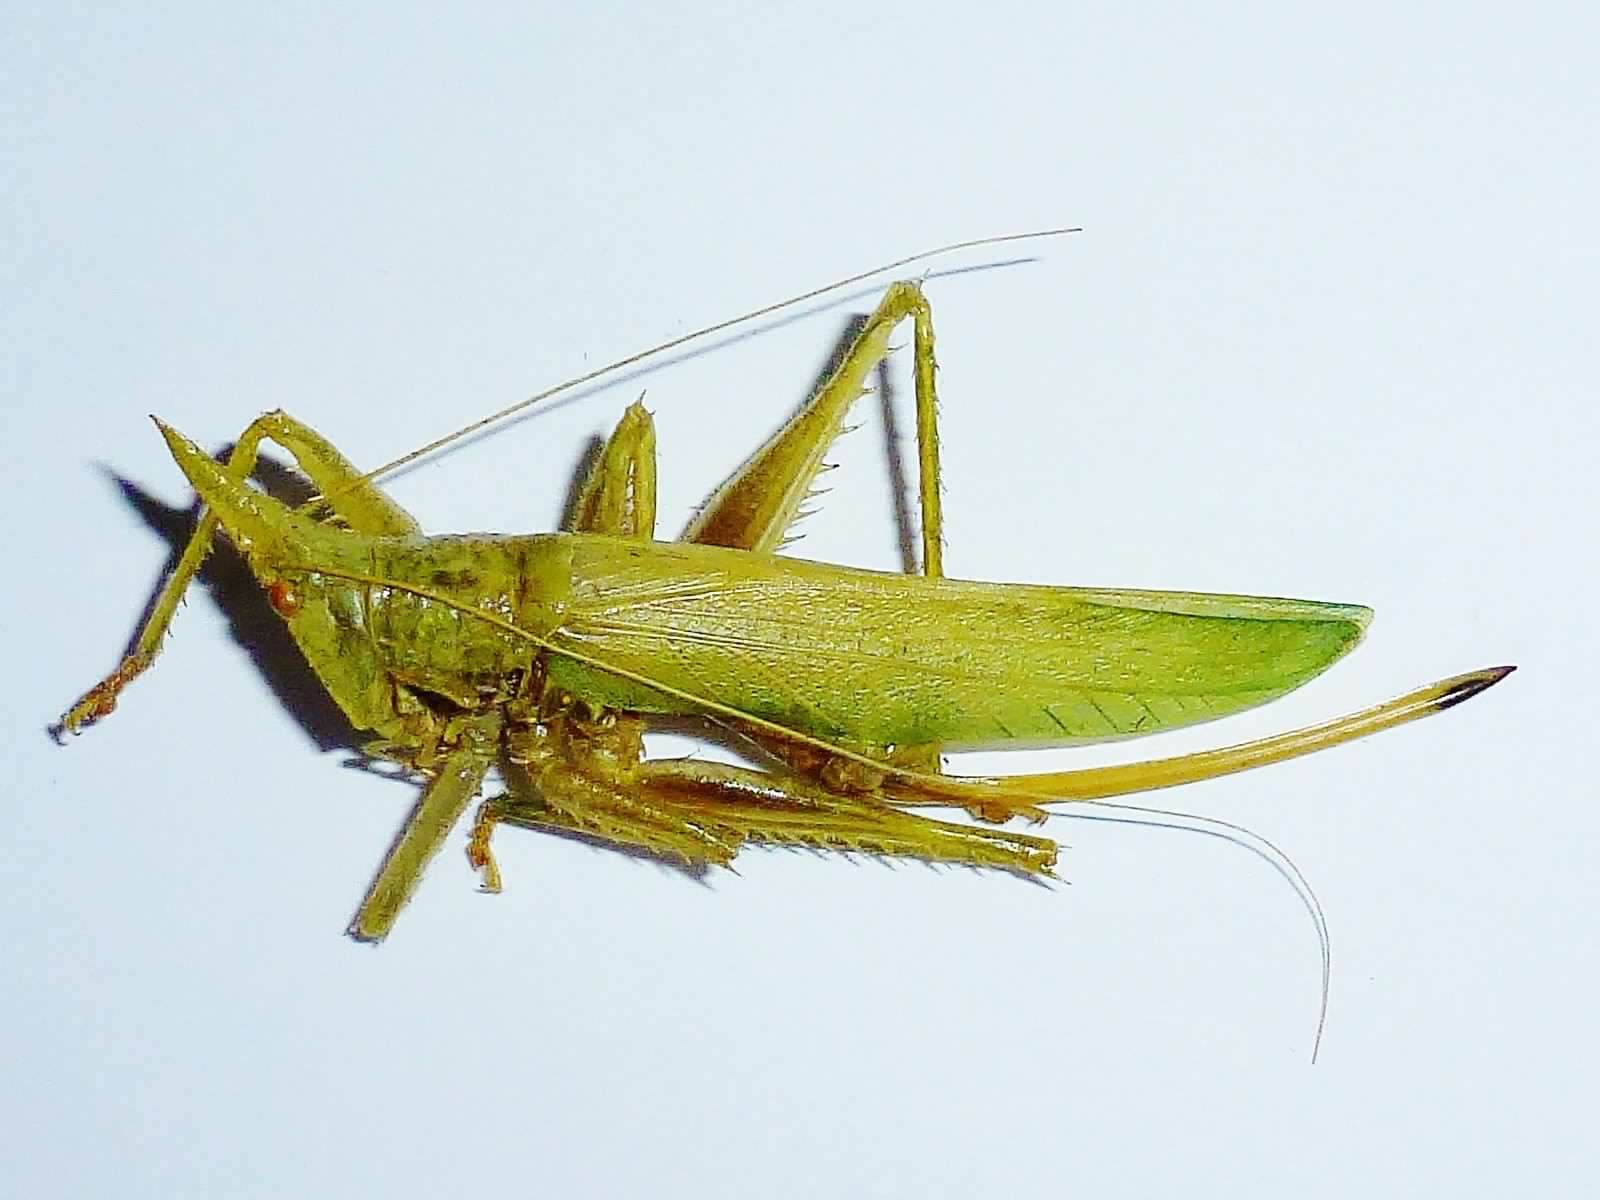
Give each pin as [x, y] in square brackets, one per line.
[548, 656]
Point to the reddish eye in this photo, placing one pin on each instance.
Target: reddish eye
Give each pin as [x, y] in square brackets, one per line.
[284, 598]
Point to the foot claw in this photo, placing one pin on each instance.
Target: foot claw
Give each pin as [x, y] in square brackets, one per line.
[478, 852]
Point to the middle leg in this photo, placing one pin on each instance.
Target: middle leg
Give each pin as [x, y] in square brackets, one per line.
[549, 788]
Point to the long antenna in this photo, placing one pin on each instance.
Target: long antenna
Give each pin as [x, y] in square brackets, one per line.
[673, 343]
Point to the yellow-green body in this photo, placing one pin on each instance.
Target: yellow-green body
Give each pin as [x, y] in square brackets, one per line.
[549, 655]
[865, 659]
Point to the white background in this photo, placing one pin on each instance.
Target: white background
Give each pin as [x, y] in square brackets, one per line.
[1329, 333]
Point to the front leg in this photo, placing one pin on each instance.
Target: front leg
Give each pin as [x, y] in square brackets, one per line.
[443, 801]
[353, 497]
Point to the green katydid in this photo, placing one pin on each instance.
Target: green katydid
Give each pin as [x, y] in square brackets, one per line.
[548, 656]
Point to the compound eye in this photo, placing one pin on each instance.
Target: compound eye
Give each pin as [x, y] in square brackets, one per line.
[284, 598]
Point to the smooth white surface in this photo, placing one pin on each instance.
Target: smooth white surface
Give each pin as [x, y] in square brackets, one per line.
[1329, 333]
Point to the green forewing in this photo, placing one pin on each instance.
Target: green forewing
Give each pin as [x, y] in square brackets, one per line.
[876, 659]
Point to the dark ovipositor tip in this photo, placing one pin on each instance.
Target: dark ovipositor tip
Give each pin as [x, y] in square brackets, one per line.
[1468, 686]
